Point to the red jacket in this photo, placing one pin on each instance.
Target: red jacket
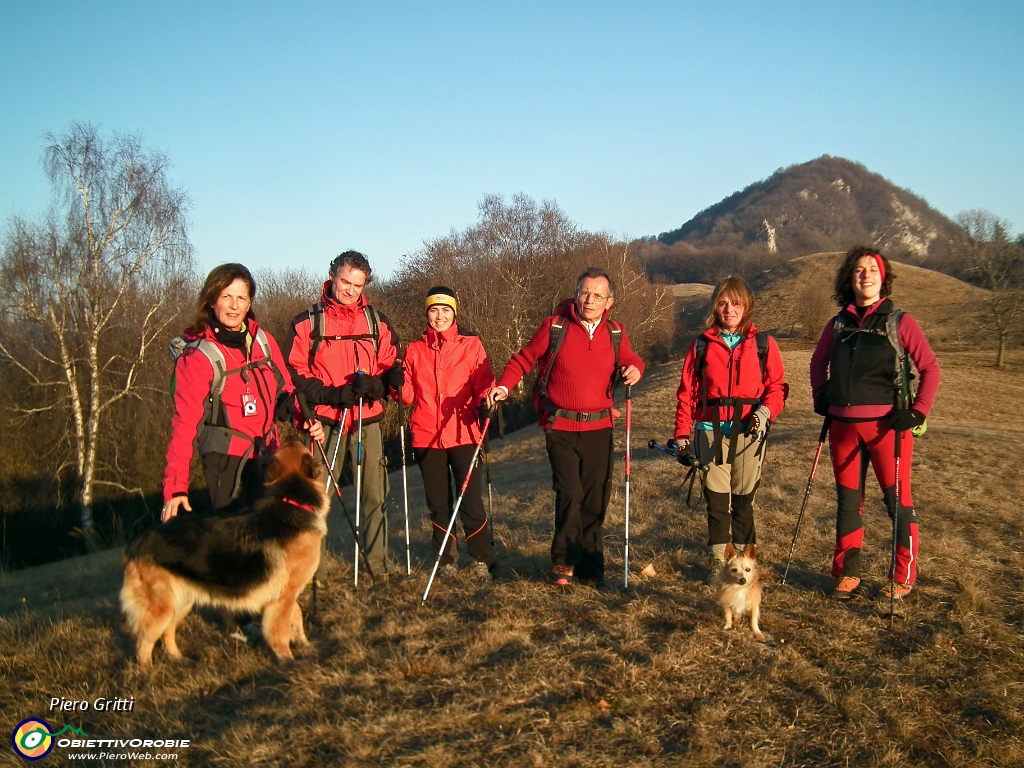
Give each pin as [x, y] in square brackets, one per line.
[581, 376]
[729, 373]
[446, 375]
[336, 361]
[193, 377]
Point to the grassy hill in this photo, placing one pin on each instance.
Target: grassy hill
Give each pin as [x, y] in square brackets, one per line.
[521, 674]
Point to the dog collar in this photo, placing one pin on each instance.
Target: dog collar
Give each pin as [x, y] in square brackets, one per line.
[307, 507]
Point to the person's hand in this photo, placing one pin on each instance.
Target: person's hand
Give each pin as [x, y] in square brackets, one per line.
[171, 507]
[684, 453]
[285, 410]
[630, 375]
[495, 394]
[905, 419]
[315, 430]
[396, 376]
[757, 424]
[821, 400]
[368, 387]
[339, 397]
[484, 413]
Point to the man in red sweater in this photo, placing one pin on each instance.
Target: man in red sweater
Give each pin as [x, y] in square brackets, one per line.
[579, 353]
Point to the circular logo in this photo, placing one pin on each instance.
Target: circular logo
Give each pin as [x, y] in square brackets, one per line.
[32, 739]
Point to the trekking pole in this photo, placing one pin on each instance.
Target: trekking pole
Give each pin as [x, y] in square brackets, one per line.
[334, 456]
[359, 484]
[629, 434]
[653, 445]
[405, 474]
[895, 527]
[807, 494]
[309, 415]
[458, 503]
[487, 468]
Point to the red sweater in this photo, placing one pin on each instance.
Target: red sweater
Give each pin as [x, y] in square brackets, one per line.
[916, 346]
[581, 373]
[446, 375]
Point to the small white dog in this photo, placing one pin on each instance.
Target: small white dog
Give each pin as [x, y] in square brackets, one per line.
[739, 589]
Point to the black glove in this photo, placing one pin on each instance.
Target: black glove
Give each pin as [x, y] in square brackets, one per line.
[369, 387]
[485, 413]
[821, 400]
[684, 453]
[905, 419]
[285, 408]
[339, 397]
[396, 376]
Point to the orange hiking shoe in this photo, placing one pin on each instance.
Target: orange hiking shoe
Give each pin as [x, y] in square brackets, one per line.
[845, 587]
[895, 591]
[563, 575]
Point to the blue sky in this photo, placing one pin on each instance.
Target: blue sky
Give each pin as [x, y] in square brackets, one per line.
[304, 129]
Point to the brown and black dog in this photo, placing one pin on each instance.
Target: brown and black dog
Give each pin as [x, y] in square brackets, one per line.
[255, 562]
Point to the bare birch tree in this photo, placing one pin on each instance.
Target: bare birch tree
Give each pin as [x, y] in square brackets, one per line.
[993, 261]
[90, 291]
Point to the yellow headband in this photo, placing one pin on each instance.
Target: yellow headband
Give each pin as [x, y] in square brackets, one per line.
[441, 298]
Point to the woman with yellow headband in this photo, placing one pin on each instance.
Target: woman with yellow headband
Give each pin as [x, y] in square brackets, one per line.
[447, 373]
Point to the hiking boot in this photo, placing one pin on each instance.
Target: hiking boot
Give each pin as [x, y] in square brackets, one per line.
[448, 571]
[845, 587]
[482, 572]
[563, 575]
[717, 564]
[895, 591]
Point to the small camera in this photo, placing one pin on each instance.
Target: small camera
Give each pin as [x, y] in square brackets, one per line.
[249, 409]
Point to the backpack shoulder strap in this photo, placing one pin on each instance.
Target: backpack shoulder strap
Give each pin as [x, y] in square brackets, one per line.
[220, 370]
[762, 353]
[892, 332]
[373, 322]
[261, 339]
[556, 334]
[316, 329]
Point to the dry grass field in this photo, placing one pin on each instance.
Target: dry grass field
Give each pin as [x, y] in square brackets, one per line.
[523, 675]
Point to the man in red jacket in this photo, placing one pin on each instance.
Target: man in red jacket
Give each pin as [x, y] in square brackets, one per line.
[579, 353]
[342, 349]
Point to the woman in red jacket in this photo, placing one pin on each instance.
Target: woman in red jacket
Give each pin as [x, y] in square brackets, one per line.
[447, 373]
[731, 389]
[230, 382]
[859, 387]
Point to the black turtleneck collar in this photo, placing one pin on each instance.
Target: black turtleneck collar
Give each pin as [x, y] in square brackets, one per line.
[233, 339]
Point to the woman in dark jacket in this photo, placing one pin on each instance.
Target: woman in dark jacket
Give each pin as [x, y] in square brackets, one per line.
[230, 381]
[860, 385]
[447, 374]
[730, 390]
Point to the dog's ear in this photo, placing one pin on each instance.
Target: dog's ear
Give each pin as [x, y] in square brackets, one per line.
[730, 553]
[750, 552]
[310, 466]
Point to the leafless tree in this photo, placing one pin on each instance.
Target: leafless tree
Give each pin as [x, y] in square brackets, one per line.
[995, 262]
[90, 290]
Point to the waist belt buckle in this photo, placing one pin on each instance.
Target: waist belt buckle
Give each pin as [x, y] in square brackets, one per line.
[582, 416]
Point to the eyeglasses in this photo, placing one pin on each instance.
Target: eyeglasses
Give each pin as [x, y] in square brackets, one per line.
[595, 296]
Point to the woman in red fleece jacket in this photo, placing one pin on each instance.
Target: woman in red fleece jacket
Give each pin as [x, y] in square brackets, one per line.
[575, 403]
[447, 374]
[236, 428]
[857, 385]
[724, 412]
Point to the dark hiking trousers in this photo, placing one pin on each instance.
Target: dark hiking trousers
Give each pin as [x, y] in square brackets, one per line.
[441, 490]
[581, 469]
